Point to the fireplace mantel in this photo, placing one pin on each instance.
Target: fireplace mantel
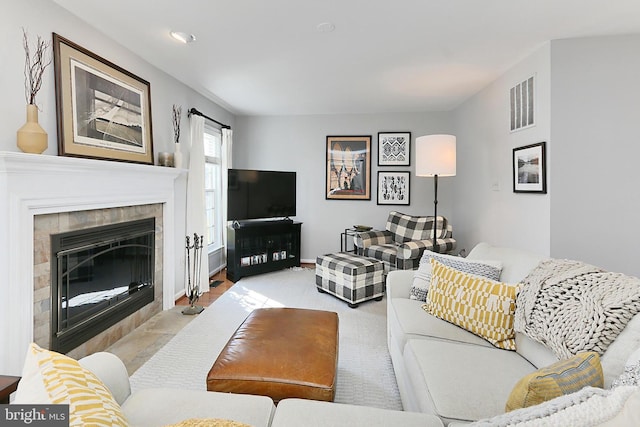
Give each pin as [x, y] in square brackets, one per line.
[41, 184]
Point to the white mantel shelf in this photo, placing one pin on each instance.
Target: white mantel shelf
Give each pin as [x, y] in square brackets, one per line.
[33, 184]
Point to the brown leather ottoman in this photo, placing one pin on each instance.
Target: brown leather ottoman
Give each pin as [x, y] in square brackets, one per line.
[280, 353]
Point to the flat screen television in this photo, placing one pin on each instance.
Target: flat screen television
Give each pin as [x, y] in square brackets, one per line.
[257, 194]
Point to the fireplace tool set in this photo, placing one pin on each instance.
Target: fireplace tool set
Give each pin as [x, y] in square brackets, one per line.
[193, 271]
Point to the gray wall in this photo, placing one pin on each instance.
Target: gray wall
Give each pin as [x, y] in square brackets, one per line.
[42, 17]
[595, 103]
[485, 206]
[298, 143]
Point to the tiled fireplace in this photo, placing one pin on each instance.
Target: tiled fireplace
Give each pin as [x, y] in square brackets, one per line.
[44, 195]
[45, 304]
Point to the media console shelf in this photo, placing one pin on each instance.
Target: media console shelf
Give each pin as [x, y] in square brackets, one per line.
[261, 247]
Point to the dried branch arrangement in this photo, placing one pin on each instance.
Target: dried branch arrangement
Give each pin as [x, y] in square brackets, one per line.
[34, 66]
[177, 114]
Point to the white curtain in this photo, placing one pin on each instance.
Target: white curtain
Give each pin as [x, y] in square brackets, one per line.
[196, 215]
[227, 146]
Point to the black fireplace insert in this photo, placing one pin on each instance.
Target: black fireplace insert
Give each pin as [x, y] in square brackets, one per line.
[99, 276]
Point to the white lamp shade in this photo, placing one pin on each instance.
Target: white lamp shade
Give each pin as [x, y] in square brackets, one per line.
[436, 155]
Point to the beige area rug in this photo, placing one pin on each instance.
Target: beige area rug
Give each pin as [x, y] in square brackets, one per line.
[365, 374]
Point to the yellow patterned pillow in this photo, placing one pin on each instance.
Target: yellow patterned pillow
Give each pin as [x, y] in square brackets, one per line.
[563, 377]
[480, 305]
[50, 377]
[208, 422]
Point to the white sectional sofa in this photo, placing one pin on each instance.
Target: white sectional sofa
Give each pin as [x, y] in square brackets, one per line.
[444, 370]
[163, 406]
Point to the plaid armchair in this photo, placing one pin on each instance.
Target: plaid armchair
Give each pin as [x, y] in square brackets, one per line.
[401, 244]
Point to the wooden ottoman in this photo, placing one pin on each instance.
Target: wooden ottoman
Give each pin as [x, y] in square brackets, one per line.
[280, 353]
[350, 277]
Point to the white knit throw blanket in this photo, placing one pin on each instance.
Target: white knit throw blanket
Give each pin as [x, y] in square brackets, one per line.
[570, 306]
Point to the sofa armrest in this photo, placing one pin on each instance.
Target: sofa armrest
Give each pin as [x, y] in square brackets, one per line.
[374, 237]
[399, 283]
[413, 249]
[111, 371]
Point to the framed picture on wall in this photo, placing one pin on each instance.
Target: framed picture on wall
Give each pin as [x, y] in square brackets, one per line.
[104, 111]
[530, 169]
[348, 168]
[393, 188]
[394, 148]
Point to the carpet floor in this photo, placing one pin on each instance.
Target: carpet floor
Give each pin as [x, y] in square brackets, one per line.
[365, 374]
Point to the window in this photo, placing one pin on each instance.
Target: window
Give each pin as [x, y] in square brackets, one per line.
[213, 186]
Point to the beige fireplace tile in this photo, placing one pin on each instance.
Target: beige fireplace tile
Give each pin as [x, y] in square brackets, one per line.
[41, 250]
[41, 276]
[46, 223]
[41, 301]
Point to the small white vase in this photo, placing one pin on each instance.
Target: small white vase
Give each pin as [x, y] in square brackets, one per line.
[177, 157]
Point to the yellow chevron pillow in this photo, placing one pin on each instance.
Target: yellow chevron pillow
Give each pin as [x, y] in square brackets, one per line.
[479, 305]
[52, 378]
[563, 377]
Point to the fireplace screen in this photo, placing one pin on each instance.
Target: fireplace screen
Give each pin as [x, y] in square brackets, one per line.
[99, 276]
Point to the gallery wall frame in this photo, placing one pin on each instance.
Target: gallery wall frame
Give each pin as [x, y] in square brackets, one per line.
[522, 105]
[530, 169]
[348, 168]
[394, 187]
[103, 110]
[394, 148]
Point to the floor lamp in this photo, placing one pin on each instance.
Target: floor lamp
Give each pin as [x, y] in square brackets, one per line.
[436, 156]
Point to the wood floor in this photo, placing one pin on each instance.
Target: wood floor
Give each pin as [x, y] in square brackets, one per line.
[214, 293]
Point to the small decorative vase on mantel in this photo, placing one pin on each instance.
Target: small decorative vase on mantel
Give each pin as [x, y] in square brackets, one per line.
[176, 114]
[31, 137]
[177, 157]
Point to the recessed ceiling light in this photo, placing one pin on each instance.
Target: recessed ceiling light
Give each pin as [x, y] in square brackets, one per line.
[325, 27]
[183, 37]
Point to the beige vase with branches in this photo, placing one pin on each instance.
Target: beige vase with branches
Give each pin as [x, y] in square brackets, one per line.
[31, 137]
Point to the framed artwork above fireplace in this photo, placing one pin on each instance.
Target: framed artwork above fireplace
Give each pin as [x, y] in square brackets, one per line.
[103, 110]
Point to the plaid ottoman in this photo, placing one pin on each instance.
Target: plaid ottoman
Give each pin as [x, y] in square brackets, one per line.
[350, 277]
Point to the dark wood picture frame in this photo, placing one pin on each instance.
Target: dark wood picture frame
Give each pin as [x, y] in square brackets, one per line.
[103, 110]
[348, 168]
[394, 148]
[530, 169]
[394, 187]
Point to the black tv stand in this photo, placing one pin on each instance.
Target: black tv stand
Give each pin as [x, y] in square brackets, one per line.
[256, 247]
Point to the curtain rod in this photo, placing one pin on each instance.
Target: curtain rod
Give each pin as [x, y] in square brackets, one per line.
[198, 113]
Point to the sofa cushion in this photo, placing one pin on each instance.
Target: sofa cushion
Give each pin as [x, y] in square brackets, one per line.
[303, 412]
[460, 381]
[516, 263]
[160, 406]
[52, 378]
[422, 276]
[482, 306]
[563, 377]
[408, 320]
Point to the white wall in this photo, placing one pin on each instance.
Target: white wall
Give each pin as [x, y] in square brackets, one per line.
[298, 143]
[43, 17]
[595, 114]
[485, 206]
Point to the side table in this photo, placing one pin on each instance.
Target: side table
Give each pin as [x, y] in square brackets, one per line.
[8, 384]
[344, 236]
[348, 232]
